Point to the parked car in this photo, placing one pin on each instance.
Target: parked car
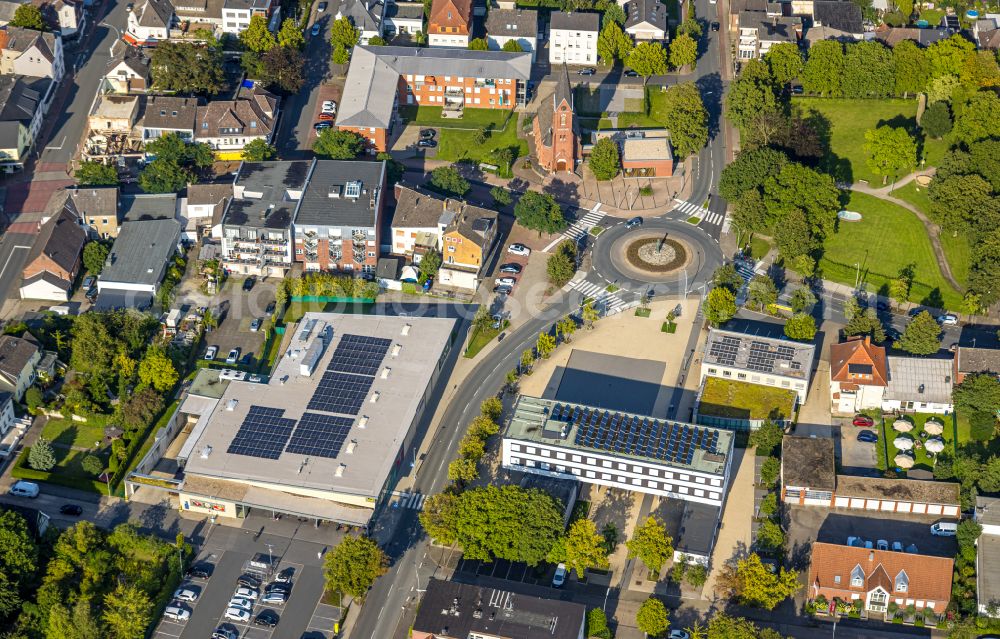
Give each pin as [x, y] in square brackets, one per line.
[948, 320]
[503, 289]
[211, 352]
[71, 509]
[944, 529]
[797, 89]
[631, 73]
[185, 594]
[326, 116]
[509, 281]
[559, 578]
[23, 488]
[270, 307]
[897, 546]
[239, 602]
[587, 71]
[88, 282]
[275, 585]
[315, 30]
[882, 544]
[427, 144]
[285, 576]
[249, 282]
[199, 571]
[245, 593]
[867, 436]
[237, 614]
[255, 325]
[274, 597]
[224, 633]
[233, 357]
[321, 7]
[177, 613]
[715, 25]
[248, 581]
[678, 634]
[320, 126]
[510, 268]
[634, 222]
[268, 619]
[427, 134]
[519, 249]
[329, 106]
[863, 420]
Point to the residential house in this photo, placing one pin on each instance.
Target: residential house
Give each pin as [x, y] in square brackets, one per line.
[113, 132]
[859, 375]
[97, 208]
[144, 207]
[365, 15]
[229, 125]
[7, 417]
[149, 22]
[975, 360]
[203, 207]
[137, 263]
[736, 7]
[67, 16]
[879, 577]
[403, 18]
[128, 71]
[19, 360]
[513, 25]
[466, 243]
[236, 14]
[23, 105]
[892, 36]
[197, 15]
[338, 220]
[556, 129]
[161, 115]
[646, 20]
[758, 359]
[573, 37]
[841, 16]
[451, 610]
[418, 223]
[759, 31]
[647, 157]
[987, 515]
[449, 23]
[55, 259]
[34, 54]
[918, 384]
[808, 471]
[257, 223]
[986, 32]
[382, 78]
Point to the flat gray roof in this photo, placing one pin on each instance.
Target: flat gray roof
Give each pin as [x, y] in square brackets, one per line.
[375, 434]
[759, 354]
[988, 569]
[533, 422]
[159, 206]
[342, 193]
[917, 379]
[141, 252]
[266, 194]
[698, 528]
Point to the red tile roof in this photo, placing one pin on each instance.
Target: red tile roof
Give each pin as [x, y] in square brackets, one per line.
[445, 14]
[861, 353]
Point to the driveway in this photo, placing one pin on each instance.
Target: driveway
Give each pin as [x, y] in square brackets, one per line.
[856, 458]
[236, 310]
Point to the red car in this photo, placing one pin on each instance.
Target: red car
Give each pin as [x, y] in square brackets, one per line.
[863, 421]
[325, 116]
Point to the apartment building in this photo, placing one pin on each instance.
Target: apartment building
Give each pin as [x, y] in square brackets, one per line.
[512, 25]
[573, 37]
[759, 31]
[229, 125]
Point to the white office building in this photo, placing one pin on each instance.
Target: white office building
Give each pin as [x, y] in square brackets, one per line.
[757, 359]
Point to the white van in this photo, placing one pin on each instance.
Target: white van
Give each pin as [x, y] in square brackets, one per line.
[24, 489]
[944, 529]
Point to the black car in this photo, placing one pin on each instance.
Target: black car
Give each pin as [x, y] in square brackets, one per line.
[430, 144]
[427, 134]
[278, 587]
[285, 576]
[71, 509]
[248, 581]
[867, 436]
[587, 71]
[199, 571]
[715, 26]
[249, 282]
[268, 619]
[631, 73]
[322, 7]
[634, 222]
[270, 308]
[511, 268]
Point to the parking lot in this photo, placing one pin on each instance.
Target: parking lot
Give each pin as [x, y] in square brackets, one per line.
[236, 310]
[856, 458]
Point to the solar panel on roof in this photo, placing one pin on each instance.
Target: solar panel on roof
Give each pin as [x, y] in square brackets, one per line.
[263, 433]
[319, 435]
[359, 354]
[340, 393]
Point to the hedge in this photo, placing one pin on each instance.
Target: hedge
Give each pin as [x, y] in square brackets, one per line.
[21, 470]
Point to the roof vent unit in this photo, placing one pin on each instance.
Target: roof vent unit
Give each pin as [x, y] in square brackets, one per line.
[231, 405]
[385, 372]
[311, 358]
[351, 446]
[375, 397]
[334, 192]
[307, 329]
[363, 421]
[396, 348]
[477, 613]
[920, 389]
[406, 330]
[205, 452]
[340, 470]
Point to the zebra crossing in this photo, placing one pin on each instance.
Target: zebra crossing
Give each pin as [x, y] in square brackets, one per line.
[746, 271]
[703, 214]
[413, 501]
[580, 227]
[611, 302]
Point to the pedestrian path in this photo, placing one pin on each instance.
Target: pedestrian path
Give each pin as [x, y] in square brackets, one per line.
[579, 228]
[413, 501]
[703, 214]
[746, 271]
[612, 302]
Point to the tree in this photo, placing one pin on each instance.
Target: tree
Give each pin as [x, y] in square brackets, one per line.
[164, 176]
[968, 532]
[94, 255]
[890, 150]
[340, 54]
[257, 37]
[683, 113]
[471, 447]
[561, 265]
[802, 300]
[785, 62]
[448, 180]
[612, 43]
[157, 370]
[910, 68]
[648, 58]
[727, 276]
[769, 471]
[721, 306]
[766, 438]
[41, 456]
[128, 611]
[478, 44]
[527, 359]
[922, 336]
[752, 97]
[186, 67]
[824, 68]
[463, 470]
[597, 621]
[18, 551]
[290, 35]
[34, 399]
[651, 544]
[92, 464]
[652, 617]
[801, 327]
[865, 323]
[798, 187]
[344, 34]
[430, 263]
[604, 160]
[683, 51]
[948, 56]
[613, 13]
[749, 171]
[589, 314]
[332, 144]
[761, 588]
[501, 196]
[91, 173]
[980, 119]
[377, 41]
[438, 517]
[978, 393]
[512, 46]
[28, 16]
[770, 535]
[491, 408]
[690, 26]
[868, 71]
[281, 68]
[584, 547]
[984, 275]
[545, 345]
[173, 148]
[762, 292]
[539, 212]
[258, 150]
[354, 565]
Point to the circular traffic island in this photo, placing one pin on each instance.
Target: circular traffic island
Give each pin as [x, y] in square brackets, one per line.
[656, 254]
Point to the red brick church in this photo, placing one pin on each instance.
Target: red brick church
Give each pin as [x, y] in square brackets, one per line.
[557, 133]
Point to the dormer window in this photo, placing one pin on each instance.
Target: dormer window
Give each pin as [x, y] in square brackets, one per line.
[204, 125]
[902, 582]
[857, 577]
[253, 124]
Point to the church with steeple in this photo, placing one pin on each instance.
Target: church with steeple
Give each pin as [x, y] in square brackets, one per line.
[557, 132]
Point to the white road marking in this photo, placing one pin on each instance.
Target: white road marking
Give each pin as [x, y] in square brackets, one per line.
[7, 263]
[57, 148]
[579, 228]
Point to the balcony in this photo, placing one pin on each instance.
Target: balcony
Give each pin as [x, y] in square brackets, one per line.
[310, 234]
[359, 236]
[311, 243]
[312, 256]
[267, 242]
[486, 83]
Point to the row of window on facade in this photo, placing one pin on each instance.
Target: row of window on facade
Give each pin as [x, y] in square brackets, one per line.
[755, 379]
[606, 463]
[634, 481]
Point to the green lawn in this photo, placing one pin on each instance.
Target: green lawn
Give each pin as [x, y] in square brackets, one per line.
[887, 239]
[456, 144]
[471, 118]
[956, 248]
[78, 434]
[480, 338]
[916, 195]
[923, 461]
[759, 247]
[850, 119]
[735, 399]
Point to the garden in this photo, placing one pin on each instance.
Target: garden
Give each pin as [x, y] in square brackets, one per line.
[922, 437]
[477, 136]
[740, 400]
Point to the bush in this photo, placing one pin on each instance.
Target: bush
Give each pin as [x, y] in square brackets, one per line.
[41, 456]
[597, 624]
[33, 399]
[92, 464]
[769, 471]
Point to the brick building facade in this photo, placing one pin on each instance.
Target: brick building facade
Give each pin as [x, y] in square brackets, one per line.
[556, 130]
